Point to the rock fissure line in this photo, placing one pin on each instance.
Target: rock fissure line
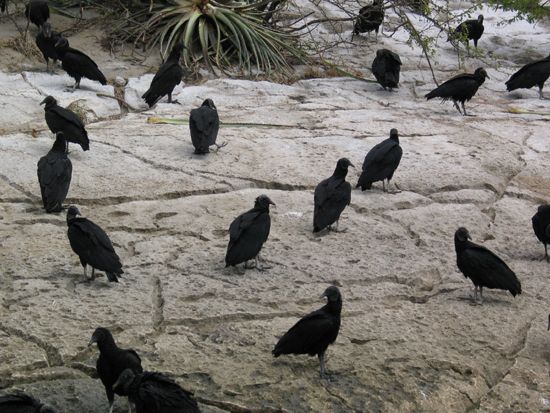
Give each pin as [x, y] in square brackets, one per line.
[53, 357]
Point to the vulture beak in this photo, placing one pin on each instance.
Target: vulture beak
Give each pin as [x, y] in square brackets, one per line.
[44, 101]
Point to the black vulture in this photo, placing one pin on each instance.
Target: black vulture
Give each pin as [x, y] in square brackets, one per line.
[64, 120]
[386, 67]
[167, 78]
[314, 332]
[483, 267]
[331, 196]
[77, 64]
[381, 162]
[112, 361]
[204, 124]
[155, 393]
[37, 11]
[248, 233]
[370, 18]
[460, 88]
[541, 226]
[46, 40]
[22, 403]
[469, 30]
[532, 74]
[54, 175]
[92, 245]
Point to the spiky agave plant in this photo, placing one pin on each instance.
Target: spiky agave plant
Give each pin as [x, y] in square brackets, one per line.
[222, 33]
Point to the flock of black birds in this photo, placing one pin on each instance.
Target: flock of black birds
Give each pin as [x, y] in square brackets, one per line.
[120, 370]
[386, 65]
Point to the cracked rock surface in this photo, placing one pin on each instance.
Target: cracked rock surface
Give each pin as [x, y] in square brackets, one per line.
[411, 338]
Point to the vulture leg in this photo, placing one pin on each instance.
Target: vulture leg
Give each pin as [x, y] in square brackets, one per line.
[75, 86]
[546, 253]
[464, 110]
[85, 273]
[111, 407]
[396, 191]
[457, 107]
[248, 266]
[218, 147]
[330, 228]
[172, 101]
[258, 266]
[93, 273]
[384, 186]
[480, 295]
[541, 96]
[475, 294]
[322, 369]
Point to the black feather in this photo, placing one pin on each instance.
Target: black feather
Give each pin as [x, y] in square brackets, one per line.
[204, 124]
[93, 246]
[482, 266]
[381, 161]
[167, 78]
[64, 120]
[386, 67]
[78, 64]
[248, 233]
[156, 393]
[331, 197]
[541, 227]
[113, 361]
[54, 175]
[38, 12]
[532, 74]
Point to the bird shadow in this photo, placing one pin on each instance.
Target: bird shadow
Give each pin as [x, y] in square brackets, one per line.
[486, 300]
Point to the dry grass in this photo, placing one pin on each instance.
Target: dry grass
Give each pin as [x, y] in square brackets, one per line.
[26, 47]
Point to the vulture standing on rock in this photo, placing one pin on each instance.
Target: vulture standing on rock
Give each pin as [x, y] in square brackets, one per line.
[315, 332]
[54, 175]
[386, 67]
[331, 197]
[532, 74]
[167, 78]
[93, 246]
[64, 120]
[460, 88]
[469, 30]
[38, 12]
[483, 267]
[370, 18]
[541, 226]
[22, 403]
[381, 162]
[248, 233]
[155, 393]
[112, 362]
[204, 124]
[77, 64]
[46, 40]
